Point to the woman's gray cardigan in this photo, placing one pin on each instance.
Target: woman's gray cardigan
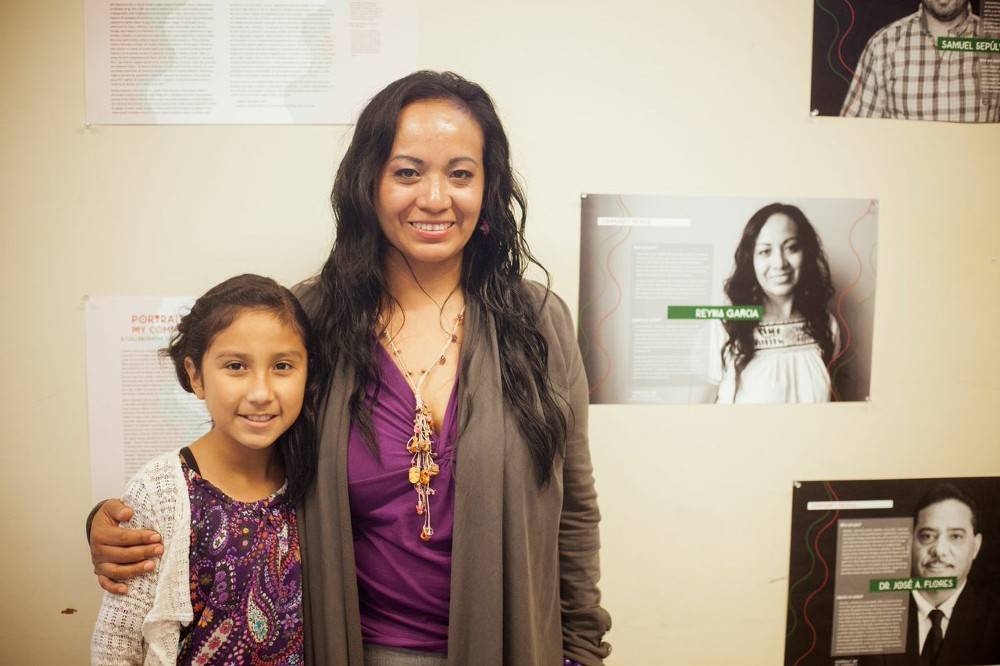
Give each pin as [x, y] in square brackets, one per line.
[524, 559]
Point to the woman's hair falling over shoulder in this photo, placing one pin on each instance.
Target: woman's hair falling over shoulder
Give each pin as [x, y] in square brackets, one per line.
[212, 313]
[811, 294]
[352, 290]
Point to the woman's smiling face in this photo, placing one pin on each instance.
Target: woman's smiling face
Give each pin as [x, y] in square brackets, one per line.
[777, 257]
[430, 191]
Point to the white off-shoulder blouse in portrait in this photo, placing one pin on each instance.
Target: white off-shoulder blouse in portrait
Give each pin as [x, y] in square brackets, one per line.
[787, 366]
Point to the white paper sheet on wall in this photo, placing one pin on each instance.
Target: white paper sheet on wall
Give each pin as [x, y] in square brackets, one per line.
[136, 407]
[240, 61]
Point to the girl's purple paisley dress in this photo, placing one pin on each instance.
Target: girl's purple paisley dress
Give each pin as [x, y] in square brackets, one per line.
[246, 580]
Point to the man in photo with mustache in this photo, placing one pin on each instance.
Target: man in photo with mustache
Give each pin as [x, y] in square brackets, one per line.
[948, 627]
[902, 74]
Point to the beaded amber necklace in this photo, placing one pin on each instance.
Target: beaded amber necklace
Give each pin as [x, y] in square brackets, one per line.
[421, 445]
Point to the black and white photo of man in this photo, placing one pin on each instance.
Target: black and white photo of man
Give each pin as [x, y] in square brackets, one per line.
[902, 72]
[959, 625]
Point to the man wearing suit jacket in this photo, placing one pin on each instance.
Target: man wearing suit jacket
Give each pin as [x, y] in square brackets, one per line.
[953, 627]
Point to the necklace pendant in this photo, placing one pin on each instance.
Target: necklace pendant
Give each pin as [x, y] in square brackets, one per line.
[420, 445]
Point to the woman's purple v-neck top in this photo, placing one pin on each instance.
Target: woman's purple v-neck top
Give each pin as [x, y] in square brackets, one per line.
[403, 582]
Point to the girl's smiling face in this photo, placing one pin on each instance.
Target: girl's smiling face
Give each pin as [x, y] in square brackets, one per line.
[252, 379]
[430, 190]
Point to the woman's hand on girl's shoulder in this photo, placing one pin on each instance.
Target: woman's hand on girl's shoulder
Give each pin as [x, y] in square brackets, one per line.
[120, 553]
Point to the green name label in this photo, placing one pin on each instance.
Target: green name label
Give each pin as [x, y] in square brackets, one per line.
[735, 312]
[970, 44]
[906, 584]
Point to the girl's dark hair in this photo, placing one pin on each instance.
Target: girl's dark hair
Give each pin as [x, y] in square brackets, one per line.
[811, 295]
[213, 313]
[352, 289]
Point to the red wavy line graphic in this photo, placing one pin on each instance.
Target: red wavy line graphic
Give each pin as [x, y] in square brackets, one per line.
[826, 578]
[840, 45]
[842, 296]
[847, 360]
[595, 299]
[600, 324]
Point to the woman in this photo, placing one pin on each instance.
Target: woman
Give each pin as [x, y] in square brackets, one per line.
[472, 542]
[784, 357]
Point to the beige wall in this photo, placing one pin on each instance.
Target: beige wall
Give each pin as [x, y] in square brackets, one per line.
[636, 97]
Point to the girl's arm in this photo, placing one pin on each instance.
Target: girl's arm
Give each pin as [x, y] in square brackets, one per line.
[117, 636]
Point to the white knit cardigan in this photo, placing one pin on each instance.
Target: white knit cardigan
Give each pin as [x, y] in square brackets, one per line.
[143, 626]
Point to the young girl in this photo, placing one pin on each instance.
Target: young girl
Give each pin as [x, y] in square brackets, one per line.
[228, 587]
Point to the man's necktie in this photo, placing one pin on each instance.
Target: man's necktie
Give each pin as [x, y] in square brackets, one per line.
[932, 644]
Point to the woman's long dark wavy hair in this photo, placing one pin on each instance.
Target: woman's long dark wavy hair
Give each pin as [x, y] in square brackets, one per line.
[810, 298]
[214, 312]
[352, 289]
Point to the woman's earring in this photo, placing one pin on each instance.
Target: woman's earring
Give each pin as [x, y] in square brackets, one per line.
[484, 227]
